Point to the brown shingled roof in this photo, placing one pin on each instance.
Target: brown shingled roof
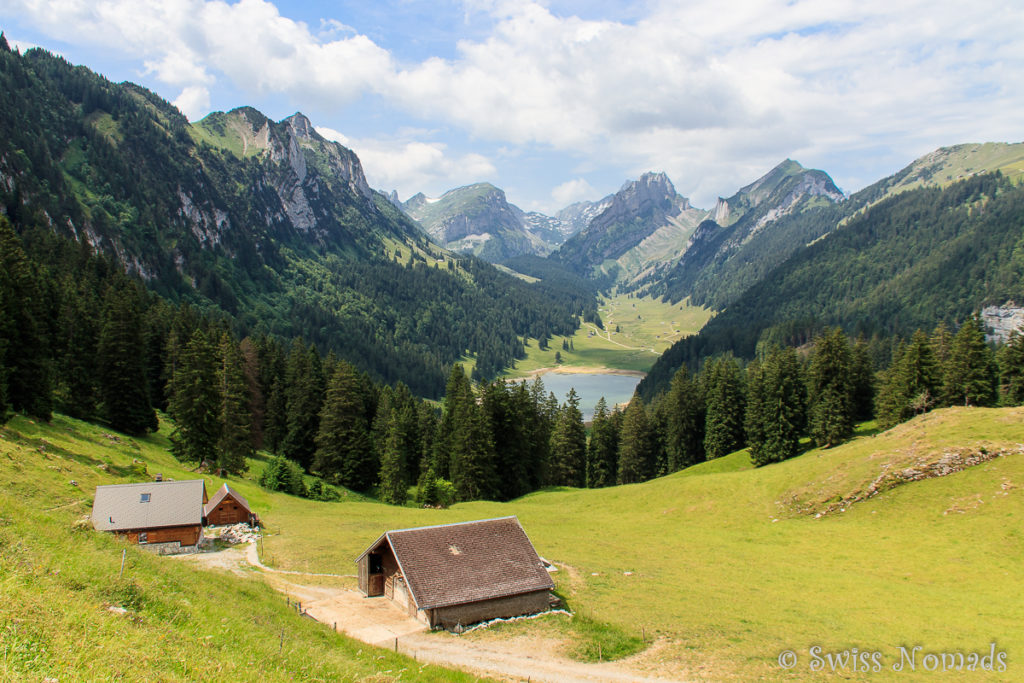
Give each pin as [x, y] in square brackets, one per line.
[454, 564]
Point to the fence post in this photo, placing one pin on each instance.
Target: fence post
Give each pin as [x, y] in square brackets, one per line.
[124, 551]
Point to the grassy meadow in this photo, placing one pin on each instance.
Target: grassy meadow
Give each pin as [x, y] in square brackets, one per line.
[647, 327]
[59, 580]
[726, 565]
[708, 573]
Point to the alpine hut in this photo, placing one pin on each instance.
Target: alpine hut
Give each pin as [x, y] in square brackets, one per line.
[228, 506]
[166, 516]
[453, 575]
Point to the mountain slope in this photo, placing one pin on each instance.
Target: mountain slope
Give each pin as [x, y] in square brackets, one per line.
[478, 219]
[72, 609]
[750, 233]
[474, 219]
[640, 226]
[267, 221]
[910, 261]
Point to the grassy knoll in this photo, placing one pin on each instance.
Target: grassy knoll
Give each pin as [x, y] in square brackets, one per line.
[728, 564]
[647, 327]
[58, 579]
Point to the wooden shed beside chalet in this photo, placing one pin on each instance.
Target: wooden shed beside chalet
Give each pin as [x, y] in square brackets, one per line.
[228, 506]
[457, 574]
[165, 515]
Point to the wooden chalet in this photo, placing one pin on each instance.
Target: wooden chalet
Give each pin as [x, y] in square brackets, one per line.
[453, 575]
[165, 515]
[228, 506]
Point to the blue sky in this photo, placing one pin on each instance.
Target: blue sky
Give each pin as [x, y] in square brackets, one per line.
[564, 100]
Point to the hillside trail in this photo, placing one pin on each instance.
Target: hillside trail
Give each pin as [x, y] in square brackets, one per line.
[377, 621]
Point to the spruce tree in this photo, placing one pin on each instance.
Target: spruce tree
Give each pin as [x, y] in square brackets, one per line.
[830, 390]
[457, 392]
[784, 409]
[345, 453]
[723, 423]
[568, 463]
[684, 422]
[393, 484]
[304, 396]
[755, 417]
[636, 452]
[235, 443]
[473, 459]
[1011, 370]
[26, 361]
[970, 377]
[75, 348]
[195, 402]
[603, 449]
[121, 364]
[912, 383]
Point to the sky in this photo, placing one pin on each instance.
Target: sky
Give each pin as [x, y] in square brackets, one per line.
[557, 101]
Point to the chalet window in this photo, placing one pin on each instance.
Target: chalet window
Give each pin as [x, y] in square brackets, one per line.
[376, 563]
[143, 537]
[144, 498]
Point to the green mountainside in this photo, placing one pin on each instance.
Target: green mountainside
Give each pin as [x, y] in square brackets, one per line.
[266, 222]
[475, 219]
[750, 233]
[910, 261]
[948, 165]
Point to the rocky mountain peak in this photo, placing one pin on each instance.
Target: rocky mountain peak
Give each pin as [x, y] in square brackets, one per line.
[300, 126]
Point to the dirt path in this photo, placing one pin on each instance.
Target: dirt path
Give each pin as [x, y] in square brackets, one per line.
[378, 621]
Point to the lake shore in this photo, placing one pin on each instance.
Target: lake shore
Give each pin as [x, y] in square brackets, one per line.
[578, 370]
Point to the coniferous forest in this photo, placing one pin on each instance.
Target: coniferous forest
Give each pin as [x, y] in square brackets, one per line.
[120, 300]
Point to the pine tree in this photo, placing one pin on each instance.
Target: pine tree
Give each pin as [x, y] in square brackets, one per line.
[257, 399]
[235, 443]
[784, 409]
[636, 452]
[970, 377]
[723, 423]
[25, 362]
[195, 402]
[603, 449]
[473, 459]
[1011, 370]
[75, 348]
[457, 392]
[568, 464]
[830, 390]
[304, 394]
[755, 417]
[393, 484]
[121, 364]
[912, 383]
[344, 452]
[862, 377]
[685, 422]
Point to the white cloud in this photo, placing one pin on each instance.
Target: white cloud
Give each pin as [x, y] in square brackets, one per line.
[411, 166]
[702, 92]
[571, 191]
[194, 102]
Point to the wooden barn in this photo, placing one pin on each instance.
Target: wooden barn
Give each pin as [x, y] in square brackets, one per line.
[167, 516]
[457, 574]
[228, 506]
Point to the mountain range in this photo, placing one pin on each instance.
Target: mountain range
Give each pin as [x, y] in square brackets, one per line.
[275, 228]
[265, 223]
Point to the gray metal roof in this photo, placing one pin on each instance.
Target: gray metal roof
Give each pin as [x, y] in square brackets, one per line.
[119, 507]
[222, 493]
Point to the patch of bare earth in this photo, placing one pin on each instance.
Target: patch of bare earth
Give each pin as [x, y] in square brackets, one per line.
[379, 622]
